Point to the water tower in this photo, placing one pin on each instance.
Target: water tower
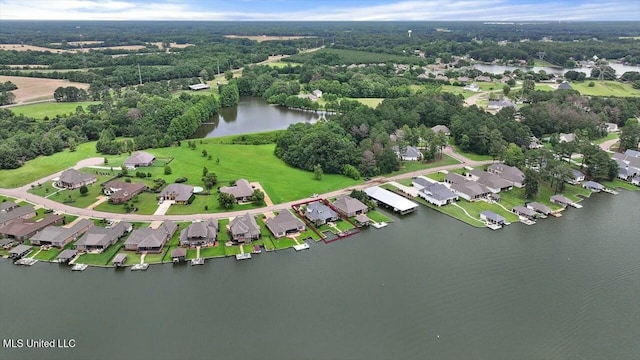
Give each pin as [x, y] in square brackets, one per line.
[409, 32]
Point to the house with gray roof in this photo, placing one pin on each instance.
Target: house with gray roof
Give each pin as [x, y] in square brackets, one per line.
[566, 137]
[524, 211]
[635, 181]
[319, 213]
[501, 104]
[99, 238]
[576, 177]
[437, 194]
[442, 129]
[244, 229]
[119, 260]
[493, 182]
[66, 255]
[284, 223]
[13, 213]
[420, 182]
[410, 153]
[350, 206]
[454, 178]
[565, 86]
[241, 191]
[483, 78]
[560, 200]
[200, 233]
[138, 159]
[539, 208]
[178, 255]
[61, 236]
[7, 206]
[492, 218]
[593, 186]
[73, 179]
[470, 190]
[180, 193]
[632, 153]
[150, 240]
[628, 165]
[510, 173]
[19, 252]
[21, 229]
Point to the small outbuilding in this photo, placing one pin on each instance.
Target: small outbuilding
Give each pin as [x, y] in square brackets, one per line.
[19, 252]
[119, 260]
[66, 256]
[179, 255]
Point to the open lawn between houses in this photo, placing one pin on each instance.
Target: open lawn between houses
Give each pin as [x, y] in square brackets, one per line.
[73, 197]
[50, 109]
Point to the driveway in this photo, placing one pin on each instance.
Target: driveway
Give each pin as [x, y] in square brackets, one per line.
[164, 207]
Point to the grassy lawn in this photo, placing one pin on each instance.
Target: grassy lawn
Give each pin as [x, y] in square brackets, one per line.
[572, 192]
[472, 156]
[453, 211]
[605, 88]
[146, 202]
[281, 64]
[77, 199]
[370, 102]
[214, 251]
[50, 109]
[212, 204]
[344, 225]
[309, 234]
[619, 184]
[103, 258]
[610, 136]
[378, 216]
[410, 166]
[458, 90]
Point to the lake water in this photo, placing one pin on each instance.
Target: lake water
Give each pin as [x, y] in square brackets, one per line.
[253, 114]
[500, 69]
[425, 287]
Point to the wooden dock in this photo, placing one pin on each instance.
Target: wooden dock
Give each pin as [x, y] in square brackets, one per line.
[140, 267]
[300, 247]
[243, 256]
[79, 267]
[197, 261]
[26, 261]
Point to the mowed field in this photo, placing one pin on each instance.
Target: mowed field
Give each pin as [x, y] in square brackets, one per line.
[261, 38]
[33, 89]
[605, 88]
[50, 109]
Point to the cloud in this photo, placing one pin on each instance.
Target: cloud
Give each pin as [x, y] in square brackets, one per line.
[410, 10]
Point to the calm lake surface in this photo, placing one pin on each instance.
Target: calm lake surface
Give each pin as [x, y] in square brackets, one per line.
[566, 288]
[253, 114]
[500, 69]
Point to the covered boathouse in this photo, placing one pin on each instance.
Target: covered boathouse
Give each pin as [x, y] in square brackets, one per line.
[391, 200]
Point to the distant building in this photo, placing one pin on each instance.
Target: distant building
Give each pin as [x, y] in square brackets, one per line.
[73, 179]
[501, 104]
[410, 153]
[507, 172]
[471, 87]
[566, 137]
[120, 192]
[483, 78]
[138, 159]
[442, 129]
[317, 93]
[197, 87]
[565, 86]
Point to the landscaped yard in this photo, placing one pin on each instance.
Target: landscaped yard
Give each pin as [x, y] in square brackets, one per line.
[73, 197]
[50, 109]
[410, 166]
[103, 258]
[472, 156]
[370, 102]
[610, 136]
[378, 216]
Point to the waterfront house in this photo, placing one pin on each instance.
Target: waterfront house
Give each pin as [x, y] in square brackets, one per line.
[19, 252]
[150, 240]
[180, 193]
[244, 229]
[576, 177]
[11, 213]
[60, 236]
[539, 208]
[66, 256]
[593, 186]
[524, 211]
[470, 190]
[560, 200]
[566, 137]
[21, 229]
[493, 182]
[350, 206]
[492, 218]
[241, 191]
[72, 179]
[7, 206]
[628, 164]
[202, 233]
[99, 238]
[119, 260]
[391, 200]
[178, 255]
[420, 182]
[510, 173]
[410, 153]
[437, 194]
[138, 159]
[319, 213]
[284, 223]
[120, 192]
[441, 128]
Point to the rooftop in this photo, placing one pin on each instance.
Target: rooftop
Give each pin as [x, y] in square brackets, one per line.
[391, 199]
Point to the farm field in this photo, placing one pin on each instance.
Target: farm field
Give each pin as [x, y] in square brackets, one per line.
[50, 109]
[33, 89]
[261, 38]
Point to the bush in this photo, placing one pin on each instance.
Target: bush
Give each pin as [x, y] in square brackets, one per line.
[181, 180]
[167, 170]
[592, 84]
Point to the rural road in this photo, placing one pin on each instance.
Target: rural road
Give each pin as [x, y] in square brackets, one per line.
[21, 193]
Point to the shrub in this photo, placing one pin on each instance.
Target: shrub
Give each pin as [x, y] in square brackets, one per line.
[181, 180]
[591, 84]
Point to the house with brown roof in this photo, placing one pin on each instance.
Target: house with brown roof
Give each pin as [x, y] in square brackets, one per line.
[21, 229]
[150, 240]
[11, 213]
[7, 206]
[120, 191]
[241, 191]
[99, 238]
[493, 182]
[180, 193]
[73, 179]
[138, 159]
[60, 236]
[350, 206]
[284, 223]
[243, 229]
[510, 173]
[201, 233]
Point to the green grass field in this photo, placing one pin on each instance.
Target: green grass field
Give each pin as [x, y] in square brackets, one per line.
[50, 109]
[356, 57]
[282, 64]
[410, 166]
[472, 156]
[605, 88]
[370, 102]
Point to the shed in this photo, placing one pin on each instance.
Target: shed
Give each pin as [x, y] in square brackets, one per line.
[119, 260]
[491, 217]
[19, 251]
[66, 255]
[178, 255]
[363, 219]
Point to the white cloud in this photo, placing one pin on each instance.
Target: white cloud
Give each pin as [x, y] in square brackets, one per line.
[414, 10]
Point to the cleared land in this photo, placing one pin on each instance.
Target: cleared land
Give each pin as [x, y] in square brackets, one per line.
[21, 47]
[50, 109]
[18, 66]
[33, 89]
[171, 45]
[261, 38]
[79, 43]
[605, 88]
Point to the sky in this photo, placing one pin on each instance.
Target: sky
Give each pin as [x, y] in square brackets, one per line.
[322, 10]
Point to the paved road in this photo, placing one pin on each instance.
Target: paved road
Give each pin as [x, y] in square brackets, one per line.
[22, 193]
[607, 144]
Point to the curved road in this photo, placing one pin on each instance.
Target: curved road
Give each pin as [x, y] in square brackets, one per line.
[21, 193]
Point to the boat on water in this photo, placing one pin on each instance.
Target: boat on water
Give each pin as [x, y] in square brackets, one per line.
[26, 261]
[138, 267]
[79, 267]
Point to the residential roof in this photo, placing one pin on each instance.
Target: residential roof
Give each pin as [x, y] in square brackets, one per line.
[539, 207]
[627, 159]
[283, 222]
[152, 238]
[524, 210]
[391, 199]
[67, 254]
[422, 181]
[491, 180]
[122, 189]
[507, 172]
[73, 176]
[317, 210]
[348, 205]
[7, 205]
[565, 86]
[593, 185]
[493, 216]
[241, 189]
[15, 213]
[362, 218]
[21, 227]
[199, 86]
[178, 252]
[561, 199]
[471, 188]
[576, 174]
[182, 192]
[455, 178]
[632, 153]
[100, 236]
[567, 137]
[119, 259]
[441, 128]
[439, 192]
[409, 152]
[200, 230]
[20, 249]
[244, 224]
[58, 234]
[502, 103]
[139, 158]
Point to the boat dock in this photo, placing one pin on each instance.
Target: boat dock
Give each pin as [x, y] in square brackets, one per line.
[140, 267]
[613, 192]
[576, 205]
[379, 225]
[300, 247]
[493, 226]
[243, 256]
[26, 261]
[527, 221]
[197, 261]
[79, 267]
